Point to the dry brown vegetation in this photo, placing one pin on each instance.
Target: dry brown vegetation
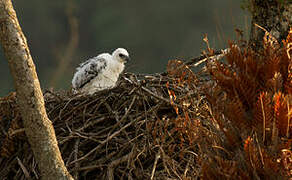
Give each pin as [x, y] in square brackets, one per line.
[171, 125]
[251, 102]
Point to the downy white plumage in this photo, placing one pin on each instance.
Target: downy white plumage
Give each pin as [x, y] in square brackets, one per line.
[100, 72]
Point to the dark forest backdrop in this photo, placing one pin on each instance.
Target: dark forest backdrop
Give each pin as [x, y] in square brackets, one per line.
[61, 34]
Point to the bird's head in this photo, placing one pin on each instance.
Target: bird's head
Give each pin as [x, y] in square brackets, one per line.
[121, 55]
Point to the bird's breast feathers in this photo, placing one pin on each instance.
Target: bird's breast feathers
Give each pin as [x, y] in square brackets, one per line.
[98, 73]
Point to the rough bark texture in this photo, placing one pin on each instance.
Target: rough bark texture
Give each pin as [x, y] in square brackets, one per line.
[274, 16]
[38, 127]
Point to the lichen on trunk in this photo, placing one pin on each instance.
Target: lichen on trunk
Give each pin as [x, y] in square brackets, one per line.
[272, 15]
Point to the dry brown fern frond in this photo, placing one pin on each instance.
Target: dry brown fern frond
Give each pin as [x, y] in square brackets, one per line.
[183, 77]
[255, 104]
[238, 78]
[247, 89]
[235, 111]
[270, 66]
[286, 63]
[219, 168]
[288, 44]
[281, 114]
[223, 76]
[236, 57]
[285, 161]
[263, 115]
[275, 84]
[248, 73]
[288, 81]
[262, 162]
[181, 74]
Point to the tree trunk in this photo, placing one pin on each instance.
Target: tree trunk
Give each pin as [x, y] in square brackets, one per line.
[274, 16]
[38, 127]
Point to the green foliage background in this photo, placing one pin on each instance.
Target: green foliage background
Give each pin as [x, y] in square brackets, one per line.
[153, 31]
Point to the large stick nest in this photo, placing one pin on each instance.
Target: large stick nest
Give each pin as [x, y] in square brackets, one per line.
[138, 130]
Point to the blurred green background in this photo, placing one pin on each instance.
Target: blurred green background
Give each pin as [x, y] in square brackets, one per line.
[62, 34]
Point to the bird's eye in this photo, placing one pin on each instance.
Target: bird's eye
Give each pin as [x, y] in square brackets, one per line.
[121, 55]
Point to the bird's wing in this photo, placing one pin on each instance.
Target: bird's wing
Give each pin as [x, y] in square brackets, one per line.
[88, 71]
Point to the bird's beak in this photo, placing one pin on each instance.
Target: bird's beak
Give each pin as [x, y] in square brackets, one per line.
[127, 59]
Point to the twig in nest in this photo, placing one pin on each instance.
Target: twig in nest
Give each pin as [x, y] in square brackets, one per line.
[57, 96]
[164, 160]
[113, 164]
[23, 168]
[151, 93]
[91, 123]
[88, 168]
[103, 142]
[157, 157]
[155, 95]
[199, 60]
[187, 167]
[13, 133]
[34, 164]
[125, 115]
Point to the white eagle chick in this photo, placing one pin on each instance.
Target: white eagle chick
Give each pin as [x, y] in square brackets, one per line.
[100, 72]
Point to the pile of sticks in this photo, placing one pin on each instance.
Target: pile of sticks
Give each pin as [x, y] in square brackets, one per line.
[133, 131]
